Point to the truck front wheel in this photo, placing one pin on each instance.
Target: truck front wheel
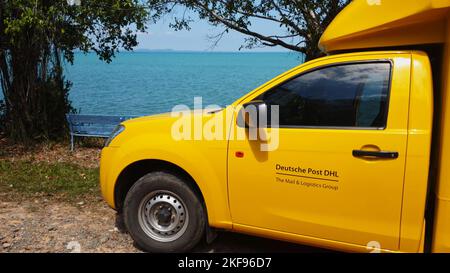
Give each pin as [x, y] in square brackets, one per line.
[163, 214]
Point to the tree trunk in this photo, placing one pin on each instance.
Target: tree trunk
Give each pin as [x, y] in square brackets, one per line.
[35, 98]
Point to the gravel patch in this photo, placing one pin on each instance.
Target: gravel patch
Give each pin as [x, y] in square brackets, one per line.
[49, 226]
[52, 226]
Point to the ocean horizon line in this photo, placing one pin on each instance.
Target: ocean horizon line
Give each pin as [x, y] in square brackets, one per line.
[197, 51]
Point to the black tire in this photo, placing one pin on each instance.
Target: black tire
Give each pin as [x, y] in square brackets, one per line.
[164, 182]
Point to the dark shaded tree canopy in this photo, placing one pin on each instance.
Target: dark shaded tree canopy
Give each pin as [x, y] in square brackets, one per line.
[36, 37]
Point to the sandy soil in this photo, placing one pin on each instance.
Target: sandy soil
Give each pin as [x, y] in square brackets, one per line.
[41, 225]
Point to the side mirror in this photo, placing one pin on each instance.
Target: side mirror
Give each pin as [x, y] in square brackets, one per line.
[253, 115]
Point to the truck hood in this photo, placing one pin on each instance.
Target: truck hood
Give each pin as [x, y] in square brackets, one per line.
[168, 116]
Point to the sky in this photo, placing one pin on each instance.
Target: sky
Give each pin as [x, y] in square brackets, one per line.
[161, 37]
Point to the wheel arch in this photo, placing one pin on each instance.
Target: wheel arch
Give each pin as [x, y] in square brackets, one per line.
[133, 172]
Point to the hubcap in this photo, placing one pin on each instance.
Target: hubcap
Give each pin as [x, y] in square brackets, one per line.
[163, 216]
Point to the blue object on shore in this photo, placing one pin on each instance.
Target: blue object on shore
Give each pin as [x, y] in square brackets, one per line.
[93, 126]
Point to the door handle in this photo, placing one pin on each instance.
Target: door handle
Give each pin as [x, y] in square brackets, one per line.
[381, 154]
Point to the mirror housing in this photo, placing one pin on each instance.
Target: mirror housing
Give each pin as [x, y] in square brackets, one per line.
[253, 115]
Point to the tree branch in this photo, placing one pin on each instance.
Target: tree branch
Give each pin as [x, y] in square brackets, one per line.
[246, 31]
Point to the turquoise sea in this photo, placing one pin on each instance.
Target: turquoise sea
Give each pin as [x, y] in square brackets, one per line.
[143, 83]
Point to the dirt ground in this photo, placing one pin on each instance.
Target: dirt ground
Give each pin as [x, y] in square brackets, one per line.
[49, 226]
[41, 225]
[86, 156]
[51, 223]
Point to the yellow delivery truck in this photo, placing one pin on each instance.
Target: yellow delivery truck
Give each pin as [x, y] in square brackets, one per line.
[353, 155]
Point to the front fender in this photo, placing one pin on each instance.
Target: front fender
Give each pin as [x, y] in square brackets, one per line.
[205, 162]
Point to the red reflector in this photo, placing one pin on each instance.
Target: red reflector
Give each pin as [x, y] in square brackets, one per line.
[240, 154]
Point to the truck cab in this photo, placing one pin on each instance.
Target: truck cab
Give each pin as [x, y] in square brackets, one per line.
[345, 152]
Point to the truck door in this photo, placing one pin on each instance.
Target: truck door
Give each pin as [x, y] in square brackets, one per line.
[338, 171]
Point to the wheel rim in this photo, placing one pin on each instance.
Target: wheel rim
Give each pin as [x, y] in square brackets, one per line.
[163, 216]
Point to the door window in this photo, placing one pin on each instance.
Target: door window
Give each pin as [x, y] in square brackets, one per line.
[349, 95]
